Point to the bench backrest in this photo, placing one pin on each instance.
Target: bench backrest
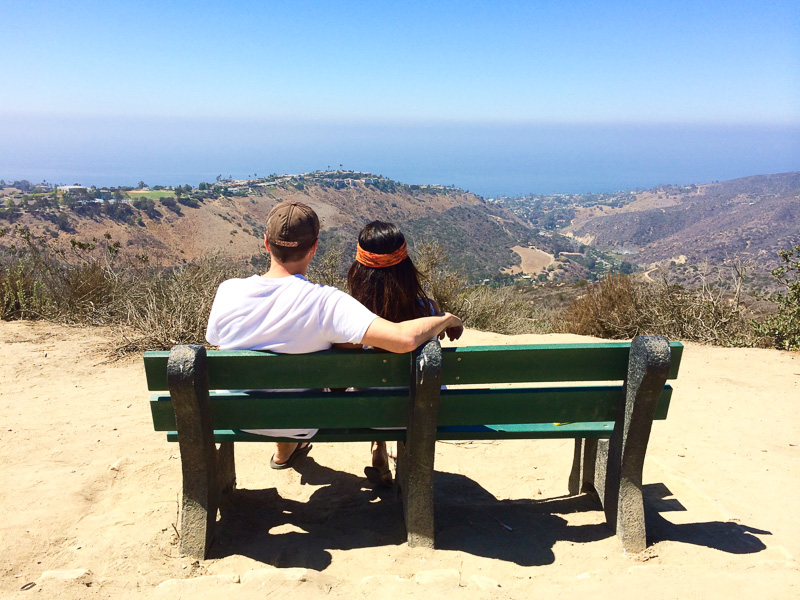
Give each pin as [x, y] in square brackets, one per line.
[599, 367]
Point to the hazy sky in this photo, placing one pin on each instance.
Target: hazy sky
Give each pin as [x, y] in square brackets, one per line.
[113, 70]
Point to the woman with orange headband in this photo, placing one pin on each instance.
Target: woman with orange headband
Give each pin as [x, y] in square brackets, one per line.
[384, 279]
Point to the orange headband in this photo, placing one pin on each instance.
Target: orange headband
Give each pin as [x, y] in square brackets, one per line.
[370, 259]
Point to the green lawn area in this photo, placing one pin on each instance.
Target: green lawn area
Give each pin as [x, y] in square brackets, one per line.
[153, 195]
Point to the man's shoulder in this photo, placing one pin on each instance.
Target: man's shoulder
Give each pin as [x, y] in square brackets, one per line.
[234, 283]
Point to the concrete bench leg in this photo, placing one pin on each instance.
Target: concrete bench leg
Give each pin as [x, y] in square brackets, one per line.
[206, 470]
[581, 478]
[416, 456]
[620, 460]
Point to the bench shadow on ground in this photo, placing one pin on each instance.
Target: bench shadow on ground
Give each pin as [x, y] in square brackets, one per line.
[725, 536]
[345, 514]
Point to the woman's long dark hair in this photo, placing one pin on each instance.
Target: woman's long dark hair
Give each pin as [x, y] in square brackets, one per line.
[395, 292]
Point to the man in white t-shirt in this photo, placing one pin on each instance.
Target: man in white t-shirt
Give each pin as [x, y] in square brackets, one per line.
[283, 312]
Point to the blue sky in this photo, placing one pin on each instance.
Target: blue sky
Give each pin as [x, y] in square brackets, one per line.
[86, 75]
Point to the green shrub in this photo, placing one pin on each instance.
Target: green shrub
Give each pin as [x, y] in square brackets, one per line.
[783, 328]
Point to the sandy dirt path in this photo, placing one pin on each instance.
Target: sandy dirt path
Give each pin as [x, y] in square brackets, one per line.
[90, 497]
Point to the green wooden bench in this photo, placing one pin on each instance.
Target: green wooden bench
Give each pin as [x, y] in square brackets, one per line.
[604, 395]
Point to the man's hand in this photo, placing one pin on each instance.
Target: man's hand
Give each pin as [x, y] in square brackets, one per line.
[408, 335]
[453, 331]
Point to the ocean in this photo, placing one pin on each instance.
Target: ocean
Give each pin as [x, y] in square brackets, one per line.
[489, 159]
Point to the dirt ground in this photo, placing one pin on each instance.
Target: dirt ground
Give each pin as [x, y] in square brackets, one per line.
[90, 496]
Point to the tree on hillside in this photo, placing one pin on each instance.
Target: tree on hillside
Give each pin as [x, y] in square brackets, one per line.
[141, 185]
[783, 328]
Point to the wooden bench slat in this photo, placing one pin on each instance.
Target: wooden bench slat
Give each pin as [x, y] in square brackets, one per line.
[607, 361]
[599, 430]
[389, 408]
[456, 433]
[252, 369]
[289, 410]
[536, 405]
[324, 435]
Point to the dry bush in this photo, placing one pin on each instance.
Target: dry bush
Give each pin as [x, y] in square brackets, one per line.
[501, 310]
[444, 286]
[91, 283]
[621, 307]
[612, 308]
[41, 281]
[165, 307]
[326, 268]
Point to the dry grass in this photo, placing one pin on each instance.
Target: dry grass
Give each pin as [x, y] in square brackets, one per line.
[165, 307]
[502, 310]
[150, 307]
[621, 307]
[77, 284]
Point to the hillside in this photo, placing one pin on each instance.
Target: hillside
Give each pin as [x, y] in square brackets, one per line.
[588, 234]
[230, 218]
[749, 218]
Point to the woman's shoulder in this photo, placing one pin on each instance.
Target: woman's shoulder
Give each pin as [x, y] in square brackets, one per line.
[429, 306]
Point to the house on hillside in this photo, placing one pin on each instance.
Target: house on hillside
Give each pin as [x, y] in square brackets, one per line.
[78, 189]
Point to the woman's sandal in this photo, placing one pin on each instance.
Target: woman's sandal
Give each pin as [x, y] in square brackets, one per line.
[379, 477]
[299, 450]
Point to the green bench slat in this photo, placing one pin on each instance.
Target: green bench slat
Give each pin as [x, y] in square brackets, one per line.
[536, 405]
[289, 410]
[324, 435]
[480, 432]
[607, 361]
[252, 369]
[388, 408]
[599, 430]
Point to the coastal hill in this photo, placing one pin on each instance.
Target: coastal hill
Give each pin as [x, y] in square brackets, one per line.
[749, 218]
[572, 237]
[171, 226]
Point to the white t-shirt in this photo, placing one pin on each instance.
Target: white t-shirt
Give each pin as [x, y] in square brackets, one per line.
[288, 315]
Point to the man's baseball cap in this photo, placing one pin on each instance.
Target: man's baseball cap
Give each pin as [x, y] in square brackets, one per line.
[292, 225]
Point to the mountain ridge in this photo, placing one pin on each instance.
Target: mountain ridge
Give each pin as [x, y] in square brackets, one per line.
[747, 218]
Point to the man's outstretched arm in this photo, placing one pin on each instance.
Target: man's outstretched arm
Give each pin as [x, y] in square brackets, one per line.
[408, 335]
